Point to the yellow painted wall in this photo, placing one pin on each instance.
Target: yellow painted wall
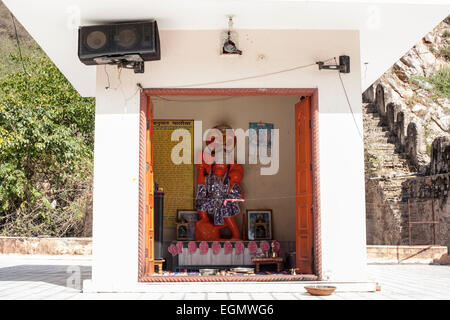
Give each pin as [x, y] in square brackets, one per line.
[177, 181]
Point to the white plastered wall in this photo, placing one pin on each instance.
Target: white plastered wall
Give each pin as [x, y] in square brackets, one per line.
[191, 57]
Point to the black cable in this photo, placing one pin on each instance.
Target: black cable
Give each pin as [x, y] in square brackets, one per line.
[18, 44]
[348, 102]
[194, 100]
[248, 77]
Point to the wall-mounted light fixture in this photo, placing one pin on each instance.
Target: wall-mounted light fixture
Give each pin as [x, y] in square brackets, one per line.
[230, 40]
[343, 66]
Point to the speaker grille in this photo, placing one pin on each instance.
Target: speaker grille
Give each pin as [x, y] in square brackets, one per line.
[117, 40]
[96, 40]
[128, 38]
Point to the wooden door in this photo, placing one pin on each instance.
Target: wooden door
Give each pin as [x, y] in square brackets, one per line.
[149, 196]
[303, 165]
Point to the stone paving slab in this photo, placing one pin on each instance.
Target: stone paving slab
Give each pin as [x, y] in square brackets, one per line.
[50, 277]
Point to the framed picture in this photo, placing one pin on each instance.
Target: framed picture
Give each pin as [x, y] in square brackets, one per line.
[190, 217]
[256, 139]
[182, 231]
[259, 224]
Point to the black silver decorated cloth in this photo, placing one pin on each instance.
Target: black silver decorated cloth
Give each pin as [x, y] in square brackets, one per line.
[211, 197]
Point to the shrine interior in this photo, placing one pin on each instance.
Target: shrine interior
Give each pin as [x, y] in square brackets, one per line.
[274, 196]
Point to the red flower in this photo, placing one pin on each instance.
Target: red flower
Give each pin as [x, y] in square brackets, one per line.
[192, 246]
[204, 247]
[264, 245]
[227, 247]
[276, 245]
[252, 247]
[216, 247]
[173, 250]
[239, 247]
[180, 247]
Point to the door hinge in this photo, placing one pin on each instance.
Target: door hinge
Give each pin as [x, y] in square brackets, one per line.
[146, 210]
[147, 166]
[148, 124]
[310, 124]
[310, 166]
[312, 209]
[146, 253]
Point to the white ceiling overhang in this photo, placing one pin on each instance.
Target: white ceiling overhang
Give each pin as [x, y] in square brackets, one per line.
[387, 28]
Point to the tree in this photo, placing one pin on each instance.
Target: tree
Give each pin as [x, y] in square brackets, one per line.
[46, 152]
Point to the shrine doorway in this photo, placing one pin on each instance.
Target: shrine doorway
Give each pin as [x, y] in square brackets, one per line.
[307, 235]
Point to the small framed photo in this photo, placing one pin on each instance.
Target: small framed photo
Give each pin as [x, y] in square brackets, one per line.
[182, 231]
[259, 224]
[190, 217]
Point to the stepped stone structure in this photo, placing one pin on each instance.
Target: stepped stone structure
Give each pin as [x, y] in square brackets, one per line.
[402, 184]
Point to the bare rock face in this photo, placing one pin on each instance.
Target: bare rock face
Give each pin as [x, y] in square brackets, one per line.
[407, 85]
[429, 38]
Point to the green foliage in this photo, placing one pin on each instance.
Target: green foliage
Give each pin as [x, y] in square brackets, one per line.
[46, 151]
[445, 51]
[440, 82]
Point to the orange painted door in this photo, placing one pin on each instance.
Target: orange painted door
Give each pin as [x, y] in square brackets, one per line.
[303, 174]
[149, 197]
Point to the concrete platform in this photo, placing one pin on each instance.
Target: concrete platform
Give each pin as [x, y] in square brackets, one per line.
[241, 287]
[62, 277]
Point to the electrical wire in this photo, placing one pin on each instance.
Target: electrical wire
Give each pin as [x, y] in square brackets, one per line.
[248, 77]
[349, 104]
[223, 81]
[194, 100]
[18, 44]
[108, 86]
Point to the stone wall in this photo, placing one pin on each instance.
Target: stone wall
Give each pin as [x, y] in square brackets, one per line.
[434, 188]
[440, 156]
[384, 224]
[409, 136]
[46, 246]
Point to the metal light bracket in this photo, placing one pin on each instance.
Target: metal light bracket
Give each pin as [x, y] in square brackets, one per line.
[343, 67]
[129, 61]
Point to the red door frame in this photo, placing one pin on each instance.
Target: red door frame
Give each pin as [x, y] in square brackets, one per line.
[303, 180]
[143, 116]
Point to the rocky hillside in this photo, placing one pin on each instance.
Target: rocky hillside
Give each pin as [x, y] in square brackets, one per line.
[420, 83]
[7, 28]
[406, 117]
